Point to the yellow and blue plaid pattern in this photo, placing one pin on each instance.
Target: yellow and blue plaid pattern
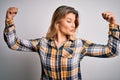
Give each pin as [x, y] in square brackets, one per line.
[63, 63]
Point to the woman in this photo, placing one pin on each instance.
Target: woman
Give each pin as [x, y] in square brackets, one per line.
[60, 51]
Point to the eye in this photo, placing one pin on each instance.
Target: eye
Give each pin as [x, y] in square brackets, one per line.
[69, 21]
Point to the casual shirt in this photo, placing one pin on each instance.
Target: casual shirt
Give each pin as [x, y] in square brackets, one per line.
[62, 63]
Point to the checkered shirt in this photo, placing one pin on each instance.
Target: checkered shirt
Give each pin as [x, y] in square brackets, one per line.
[62, 63]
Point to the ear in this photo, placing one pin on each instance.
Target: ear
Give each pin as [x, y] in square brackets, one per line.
[57, 26]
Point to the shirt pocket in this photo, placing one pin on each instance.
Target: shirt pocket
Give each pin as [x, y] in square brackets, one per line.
[67, 52]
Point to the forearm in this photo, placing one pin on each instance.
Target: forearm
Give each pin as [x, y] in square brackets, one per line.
[114, 31]
[10, 33]
[113, 39]
[14, 42]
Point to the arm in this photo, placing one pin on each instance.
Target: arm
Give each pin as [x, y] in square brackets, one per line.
[110, 49]
[11, 38]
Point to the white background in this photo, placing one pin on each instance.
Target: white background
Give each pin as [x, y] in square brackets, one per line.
[33, 20]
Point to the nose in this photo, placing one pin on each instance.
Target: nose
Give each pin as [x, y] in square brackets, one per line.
[73, 25]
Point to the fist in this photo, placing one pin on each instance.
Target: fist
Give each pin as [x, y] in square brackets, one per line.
[108, 16]
[11, 12]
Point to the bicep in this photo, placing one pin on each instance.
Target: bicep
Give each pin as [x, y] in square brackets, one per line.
[26, 45]
[18, 44]
[100, 50]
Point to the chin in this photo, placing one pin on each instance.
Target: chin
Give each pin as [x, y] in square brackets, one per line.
[71, 34]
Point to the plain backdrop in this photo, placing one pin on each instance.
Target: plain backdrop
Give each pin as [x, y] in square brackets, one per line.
[33, 20]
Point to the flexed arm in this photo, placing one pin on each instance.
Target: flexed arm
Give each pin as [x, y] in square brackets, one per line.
[110, 49]
[11, 38]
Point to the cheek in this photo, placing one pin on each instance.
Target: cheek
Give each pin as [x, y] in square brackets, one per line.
[65, 26]
[63, 29]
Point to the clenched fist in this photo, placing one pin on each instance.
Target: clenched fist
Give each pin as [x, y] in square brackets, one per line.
[108, 16]
[11, 12]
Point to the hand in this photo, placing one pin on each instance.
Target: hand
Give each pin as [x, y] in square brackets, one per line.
[108, 16]
[11, 12]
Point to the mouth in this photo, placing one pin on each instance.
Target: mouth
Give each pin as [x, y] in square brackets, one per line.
[72, 30]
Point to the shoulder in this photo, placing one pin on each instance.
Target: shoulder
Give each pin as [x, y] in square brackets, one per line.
[78, 42]
[83, 41]
[43, 39]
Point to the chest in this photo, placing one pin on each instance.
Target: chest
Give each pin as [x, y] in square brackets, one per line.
[66, 56]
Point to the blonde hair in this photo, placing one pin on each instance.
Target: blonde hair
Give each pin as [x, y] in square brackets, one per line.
[60, 13]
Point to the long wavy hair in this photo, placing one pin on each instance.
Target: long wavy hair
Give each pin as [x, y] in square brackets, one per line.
[60, 13]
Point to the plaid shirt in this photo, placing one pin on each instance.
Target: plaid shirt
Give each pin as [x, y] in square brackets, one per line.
[63, 63]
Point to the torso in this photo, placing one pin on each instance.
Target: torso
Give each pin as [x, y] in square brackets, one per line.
[62, 63]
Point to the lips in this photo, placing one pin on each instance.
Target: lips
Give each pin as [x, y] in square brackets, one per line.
[72, 30]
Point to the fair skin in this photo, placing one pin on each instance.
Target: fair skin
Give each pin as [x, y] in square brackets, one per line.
[66, 27]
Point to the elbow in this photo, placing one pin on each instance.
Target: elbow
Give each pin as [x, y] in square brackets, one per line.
[12, 47]
[111, 52]
[117, 51]
[114, 52]
[11, 44]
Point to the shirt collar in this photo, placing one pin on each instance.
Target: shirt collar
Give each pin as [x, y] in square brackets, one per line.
[70, 41]
[68, 49]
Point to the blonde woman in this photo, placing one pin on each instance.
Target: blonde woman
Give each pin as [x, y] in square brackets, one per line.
[60, 51]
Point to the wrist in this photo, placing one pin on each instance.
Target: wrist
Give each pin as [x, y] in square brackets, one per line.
[114, 22]
[9, 22]
[113, 26]
[8, 19]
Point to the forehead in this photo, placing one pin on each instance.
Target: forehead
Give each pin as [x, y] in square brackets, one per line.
[70, 16]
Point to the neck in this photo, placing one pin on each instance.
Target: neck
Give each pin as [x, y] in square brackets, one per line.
[60, 39]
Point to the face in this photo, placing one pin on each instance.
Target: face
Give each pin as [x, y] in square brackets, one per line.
[67, 25]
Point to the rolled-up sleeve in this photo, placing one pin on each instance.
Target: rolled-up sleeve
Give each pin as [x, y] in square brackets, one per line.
[14, 42]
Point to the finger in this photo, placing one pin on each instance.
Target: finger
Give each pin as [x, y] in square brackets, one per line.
[107, 12]
[12, 12]
[106, 15]
[109, 16]
[13, 9]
